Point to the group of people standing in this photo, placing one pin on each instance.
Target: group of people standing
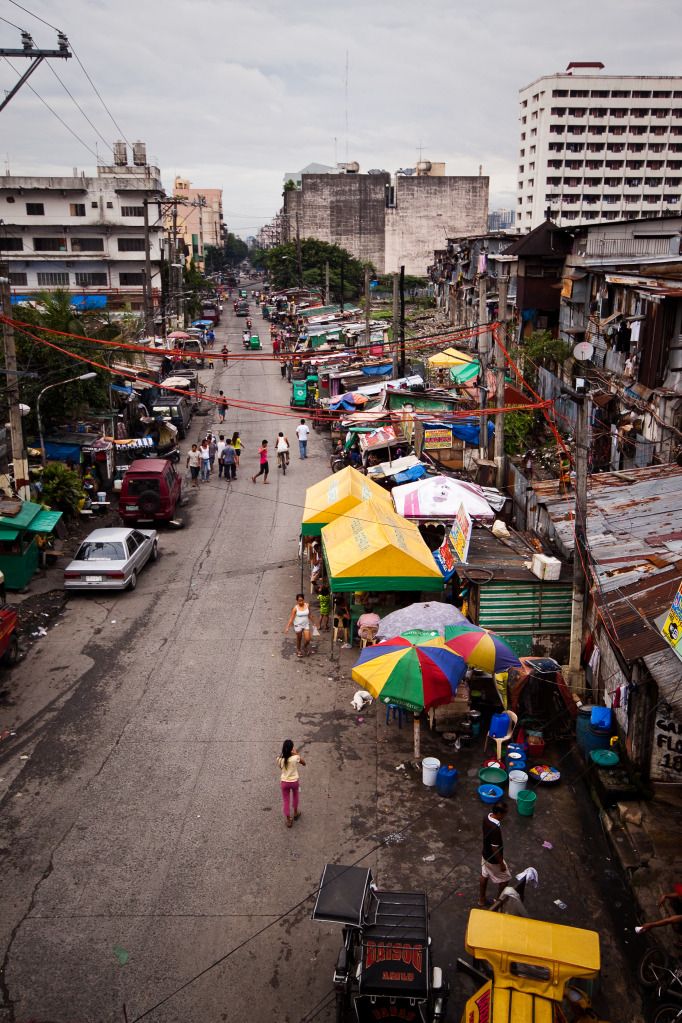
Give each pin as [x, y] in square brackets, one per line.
[202, 458]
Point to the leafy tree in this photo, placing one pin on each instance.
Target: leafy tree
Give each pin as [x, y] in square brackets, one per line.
[517, 427]
[541, 349]
[62, 488]
[217, 258]
[281, 262]
[41, 364]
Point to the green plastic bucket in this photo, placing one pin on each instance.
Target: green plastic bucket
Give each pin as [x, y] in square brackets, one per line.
[525, 803]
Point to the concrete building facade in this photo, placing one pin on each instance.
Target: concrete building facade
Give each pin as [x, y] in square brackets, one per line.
[597, 147]
[389, 221]
[83, 234]
[201, 224]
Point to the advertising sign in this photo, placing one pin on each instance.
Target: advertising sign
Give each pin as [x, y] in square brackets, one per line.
[671, 630]
[435, 439]
[454, 550]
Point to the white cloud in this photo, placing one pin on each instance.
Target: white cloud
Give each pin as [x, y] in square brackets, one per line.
[234, 93]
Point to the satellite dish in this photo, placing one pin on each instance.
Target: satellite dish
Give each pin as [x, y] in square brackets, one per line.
[583, 351]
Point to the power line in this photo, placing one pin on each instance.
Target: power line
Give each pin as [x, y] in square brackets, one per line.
[72, 97]
[54, 112]
[36, 16]
[8, 22]
[99, 96]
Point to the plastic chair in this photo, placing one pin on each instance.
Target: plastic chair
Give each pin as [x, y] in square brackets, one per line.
[396, 710]
[513, 721]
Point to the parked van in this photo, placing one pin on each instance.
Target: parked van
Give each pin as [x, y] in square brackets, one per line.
[150, 491]
[194, 347]
[176, 409]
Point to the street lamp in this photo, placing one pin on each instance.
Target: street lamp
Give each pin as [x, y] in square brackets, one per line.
[59, 383]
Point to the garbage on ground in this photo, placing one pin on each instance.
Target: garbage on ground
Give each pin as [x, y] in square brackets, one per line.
[428, 859]
[560, 904]
[400, 767]
[547, 845]
[39, 633]
[121, 955]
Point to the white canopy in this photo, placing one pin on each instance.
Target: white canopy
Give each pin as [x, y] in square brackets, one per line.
[439, 497]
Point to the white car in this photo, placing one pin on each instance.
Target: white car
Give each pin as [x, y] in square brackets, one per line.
[111, 559]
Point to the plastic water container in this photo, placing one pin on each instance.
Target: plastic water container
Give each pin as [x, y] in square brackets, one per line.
[430, 767]
[101, 496]
[600, 718]
[475, 718]
[517, 783]
[499, 726]
[587, 736]
[446, 780]
[525, 803]
[518, 764]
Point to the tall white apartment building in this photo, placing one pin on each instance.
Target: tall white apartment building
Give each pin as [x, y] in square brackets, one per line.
[84, 234]
[599, 147]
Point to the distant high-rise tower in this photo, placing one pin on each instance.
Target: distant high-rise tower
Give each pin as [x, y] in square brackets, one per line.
[599, 147]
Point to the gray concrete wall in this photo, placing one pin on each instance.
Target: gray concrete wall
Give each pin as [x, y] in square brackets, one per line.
[428, 211]
[342, 209]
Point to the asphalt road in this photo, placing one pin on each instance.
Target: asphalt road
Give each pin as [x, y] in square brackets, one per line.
[146, 869]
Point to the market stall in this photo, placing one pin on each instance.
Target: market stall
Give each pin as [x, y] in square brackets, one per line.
[438, 498]
[371, 549]
[338, 494]
[22, 524]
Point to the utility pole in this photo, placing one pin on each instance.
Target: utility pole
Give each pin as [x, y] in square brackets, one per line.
[402, 321]
[175, 290]
[36, 55]
[367, 306]
[147, 290]
[299, 254]
[15, 424]
[582, 447]
[395, 328]
[201, 202]
[483, 354]
[343, 283]
[502, 286]
[327, 298]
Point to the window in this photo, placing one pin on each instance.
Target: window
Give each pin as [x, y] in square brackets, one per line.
[620, 94]
[557, 111]
[617, 112]
[659, 131]
[87, 244]
[657, 147]
[35, 209]
[660, 113]
[573, 164]
[557, 129]
[18, 279]
[77, 209]
[557, 93]
[553, 181]
[639, 112]
[130, 280]
[11, 244]
[671, 198]
[635, 130]
[90, 280]
[577, 147]
[555, 147]
[599, 112]
[633, 182]
[674, 182]
[673, 165]
[579, 93]
[614, 164]
[94, 205]
[130, 244]
[652, 182]
[634, 164]
[641, 94]
[132, 211]
[53, 279]
[577, 111]
[598, 129]
[110, 205]
[657, 94]
[676, 130]
[592, 147]
[599, 93]
[655, 164]
[635, 147]
[49, 244]
[612, 182]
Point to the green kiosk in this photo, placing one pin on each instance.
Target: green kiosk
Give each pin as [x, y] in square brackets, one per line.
[22, 523]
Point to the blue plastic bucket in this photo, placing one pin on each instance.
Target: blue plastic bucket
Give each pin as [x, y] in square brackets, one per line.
[446, 780]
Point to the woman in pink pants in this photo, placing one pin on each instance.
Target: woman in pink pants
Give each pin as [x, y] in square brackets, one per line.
[288, 764]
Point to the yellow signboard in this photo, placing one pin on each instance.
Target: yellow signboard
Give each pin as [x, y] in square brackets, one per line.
[435, 439]
[672, 626]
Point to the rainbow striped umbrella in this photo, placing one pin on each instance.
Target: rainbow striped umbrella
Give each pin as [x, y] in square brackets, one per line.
[480, 649]
[415, 670]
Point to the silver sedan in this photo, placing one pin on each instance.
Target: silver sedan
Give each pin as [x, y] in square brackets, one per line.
[111, 559]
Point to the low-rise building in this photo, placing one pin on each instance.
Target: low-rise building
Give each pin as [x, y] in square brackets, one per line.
[199, 221]
[84, 234]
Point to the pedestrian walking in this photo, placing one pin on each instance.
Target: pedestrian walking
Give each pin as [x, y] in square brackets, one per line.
[283, 367]
[205, 454]
[264, 467]
[493, 864]
[300, 619]
[212, 449]
[219, 454]
[237, 445]
[229, 463]
[302, 432]
[222, 407]
[194, 464]
[288, 763]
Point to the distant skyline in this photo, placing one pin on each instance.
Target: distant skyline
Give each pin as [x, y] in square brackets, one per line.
[232, 94]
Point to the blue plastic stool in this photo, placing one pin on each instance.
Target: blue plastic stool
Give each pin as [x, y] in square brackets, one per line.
[396, 709]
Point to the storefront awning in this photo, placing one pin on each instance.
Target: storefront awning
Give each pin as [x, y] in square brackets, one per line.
[45, 521]
[439, 498]
[8, 535]
[338, 494]
[374, 549]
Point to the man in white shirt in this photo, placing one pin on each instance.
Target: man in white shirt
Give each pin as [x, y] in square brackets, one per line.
[219, 454]
[302, 431]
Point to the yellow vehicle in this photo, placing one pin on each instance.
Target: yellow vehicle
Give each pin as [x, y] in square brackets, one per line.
[532, 962]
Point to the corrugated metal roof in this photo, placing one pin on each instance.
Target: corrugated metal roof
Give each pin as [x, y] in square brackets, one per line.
[506, 560]
[665, 669]
[634, 535]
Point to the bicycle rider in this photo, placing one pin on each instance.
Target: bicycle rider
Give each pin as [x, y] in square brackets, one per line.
[282, 449]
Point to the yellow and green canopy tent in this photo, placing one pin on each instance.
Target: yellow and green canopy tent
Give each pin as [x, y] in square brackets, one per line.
[338, 494]
[371, 548]
[450, 357]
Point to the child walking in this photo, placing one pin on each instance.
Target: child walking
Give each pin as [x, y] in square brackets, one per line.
[264, 467]
[288, 763]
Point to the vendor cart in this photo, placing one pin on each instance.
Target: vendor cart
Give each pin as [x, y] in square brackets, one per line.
[254, 343]
[384, 967]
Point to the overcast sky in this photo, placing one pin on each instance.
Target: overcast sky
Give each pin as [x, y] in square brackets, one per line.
[233, 93]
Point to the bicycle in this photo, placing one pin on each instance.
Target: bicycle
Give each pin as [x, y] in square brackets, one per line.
[657, 970]
[282, 461]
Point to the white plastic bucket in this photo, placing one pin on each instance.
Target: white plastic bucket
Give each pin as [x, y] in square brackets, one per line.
[430, 766]
[101, 496]
[517, 783]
